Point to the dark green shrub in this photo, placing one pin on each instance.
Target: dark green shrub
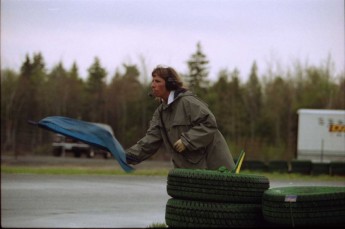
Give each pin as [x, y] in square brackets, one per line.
[304, 206]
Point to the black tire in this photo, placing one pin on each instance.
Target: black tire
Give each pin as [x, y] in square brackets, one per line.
[254, 165]
[337, 168]
[301, 166]
[57, 151]
[91, 153]
[77, 153]
[201, 214]
[320, 168]
[212, 185]
[304, 206]
[278, 166]
[107, 155]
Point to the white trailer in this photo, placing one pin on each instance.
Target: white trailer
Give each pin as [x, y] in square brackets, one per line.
[321, 135]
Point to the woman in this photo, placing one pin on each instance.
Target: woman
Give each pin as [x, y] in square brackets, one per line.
[184, 124]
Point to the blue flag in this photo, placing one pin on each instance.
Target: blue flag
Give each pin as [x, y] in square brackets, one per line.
[89, 133]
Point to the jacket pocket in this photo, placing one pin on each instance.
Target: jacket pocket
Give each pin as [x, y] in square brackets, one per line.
[178, 127]
[181, 122]
[195, 157]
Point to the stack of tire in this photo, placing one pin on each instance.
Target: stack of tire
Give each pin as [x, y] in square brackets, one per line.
[214, 198]
[305, 206]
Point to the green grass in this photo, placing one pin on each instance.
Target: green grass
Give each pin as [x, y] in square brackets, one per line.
[78, 171]
[5, 169]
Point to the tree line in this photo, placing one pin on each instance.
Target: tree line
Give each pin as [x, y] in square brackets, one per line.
[258, 115]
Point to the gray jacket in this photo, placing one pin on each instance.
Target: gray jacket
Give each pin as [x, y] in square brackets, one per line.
[188, 118]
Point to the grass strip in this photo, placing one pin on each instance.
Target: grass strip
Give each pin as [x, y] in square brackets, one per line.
[78, 171]
[5, 169]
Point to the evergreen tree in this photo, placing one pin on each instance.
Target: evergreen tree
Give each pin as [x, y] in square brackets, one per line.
[95, 89]
[56, 90]
[339, 94]
[198, 72]
[124, 105]
[253, 100]
[76, 96]
[9, 105]
[263, 111]
[74, 71]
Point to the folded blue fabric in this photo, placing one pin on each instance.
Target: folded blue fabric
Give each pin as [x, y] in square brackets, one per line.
[89, 133]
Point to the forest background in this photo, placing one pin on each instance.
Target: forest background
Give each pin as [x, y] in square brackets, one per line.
[259, 115]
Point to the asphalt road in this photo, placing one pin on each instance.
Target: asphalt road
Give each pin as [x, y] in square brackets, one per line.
[81, 201]
[56, 201]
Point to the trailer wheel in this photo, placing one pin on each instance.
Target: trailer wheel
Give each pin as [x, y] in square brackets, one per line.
[57, 151]
[107, 155]
[77, 153]
[91, 153]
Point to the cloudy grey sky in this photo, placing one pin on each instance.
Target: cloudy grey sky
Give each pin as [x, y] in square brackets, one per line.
[233, 33]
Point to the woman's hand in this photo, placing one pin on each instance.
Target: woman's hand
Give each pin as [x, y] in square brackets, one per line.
[179, 146]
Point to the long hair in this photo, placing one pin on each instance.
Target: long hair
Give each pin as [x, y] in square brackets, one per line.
[171, 77]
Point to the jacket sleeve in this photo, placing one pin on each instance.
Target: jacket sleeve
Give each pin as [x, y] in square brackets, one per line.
[148, 145]
[203, 127]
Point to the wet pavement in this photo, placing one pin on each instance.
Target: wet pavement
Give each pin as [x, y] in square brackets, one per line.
[81, 201]
[56, 201]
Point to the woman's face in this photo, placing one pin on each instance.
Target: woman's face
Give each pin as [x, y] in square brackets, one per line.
[158, 87]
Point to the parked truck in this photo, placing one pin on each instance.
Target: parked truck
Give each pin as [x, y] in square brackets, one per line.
[321, 135]
[63, 145]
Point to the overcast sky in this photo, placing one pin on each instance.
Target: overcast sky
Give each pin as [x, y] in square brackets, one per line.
[232, 33]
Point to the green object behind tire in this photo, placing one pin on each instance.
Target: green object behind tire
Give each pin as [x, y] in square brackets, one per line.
[304, 205]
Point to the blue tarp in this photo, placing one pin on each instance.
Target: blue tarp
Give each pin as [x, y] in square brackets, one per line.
[89, 133]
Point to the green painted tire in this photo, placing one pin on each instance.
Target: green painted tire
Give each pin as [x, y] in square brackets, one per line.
[200, 214]
[304, 205]
[217, 186]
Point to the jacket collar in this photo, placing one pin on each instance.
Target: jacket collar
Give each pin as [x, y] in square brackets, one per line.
[171, 97]
[176, 96]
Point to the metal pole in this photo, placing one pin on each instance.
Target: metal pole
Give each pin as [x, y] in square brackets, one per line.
[322, 150]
